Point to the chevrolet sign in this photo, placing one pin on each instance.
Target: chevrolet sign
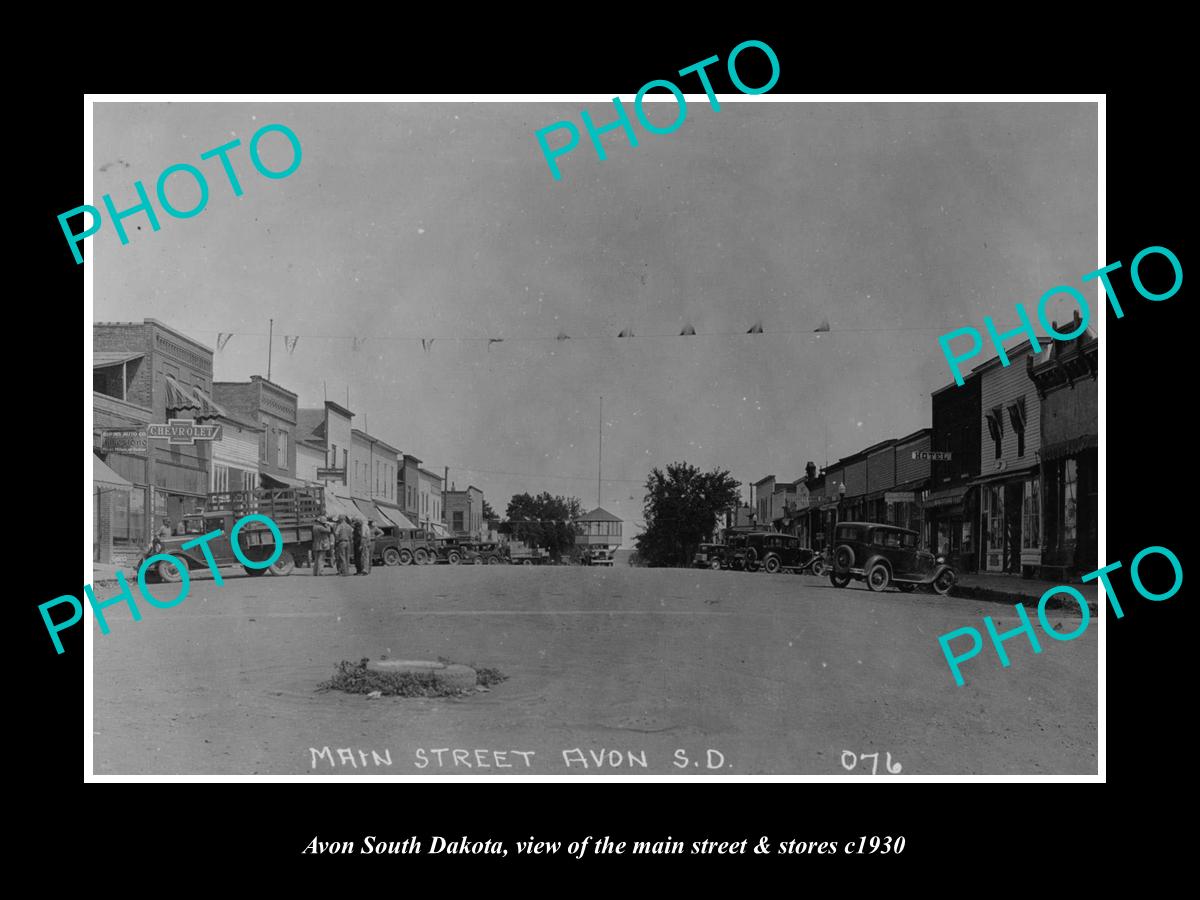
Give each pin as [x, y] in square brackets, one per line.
[184, 431]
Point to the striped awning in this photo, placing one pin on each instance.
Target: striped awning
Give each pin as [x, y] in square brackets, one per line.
[1068, 448]
[180, 398]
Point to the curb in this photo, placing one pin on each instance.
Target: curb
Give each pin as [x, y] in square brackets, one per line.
[988, 595]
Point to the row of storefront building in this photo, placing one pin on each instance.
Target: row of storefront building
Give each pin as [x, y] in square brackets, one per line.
[166, 435]
[1005, 480]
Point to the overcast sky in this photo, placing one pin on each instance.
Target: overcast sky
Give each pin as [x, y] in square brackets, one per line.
[894, 222]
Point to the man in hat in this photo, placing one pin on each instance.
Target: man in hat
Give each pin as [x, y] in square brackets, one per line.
[342, 535]
[322, 543]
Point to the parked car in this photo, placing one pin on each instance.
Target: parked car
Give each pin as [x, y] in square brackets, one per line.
[483, 553]
[885, 555]
[773, 552]
[709, 556]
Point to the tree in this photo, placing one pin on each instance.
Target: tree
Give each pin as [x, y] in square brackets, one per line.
[543, 521]
[681, 506]
[488, 512]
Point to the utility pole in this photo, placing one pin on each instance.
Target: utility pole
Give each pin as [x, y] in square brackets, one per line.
[270, 341]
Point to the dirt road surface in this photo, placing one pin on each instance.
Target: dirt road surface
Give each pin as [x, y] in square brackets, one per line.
[611, 671]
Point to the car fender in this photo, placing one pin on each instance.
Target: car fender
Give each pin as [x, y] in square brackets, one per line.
[938, 570]
[877, 558]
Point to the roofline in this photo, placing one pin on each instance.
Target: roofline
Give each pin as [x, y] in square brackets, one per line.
[427, 472]
[918, 433]
[761, 480]
[1018, 350]
[374, 440]
[339, 408]
[165, 327]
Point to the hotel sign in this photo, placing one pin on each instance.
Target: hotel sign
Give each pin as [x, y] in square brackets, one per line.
[937, 455]
[128, 440]
[184, 431]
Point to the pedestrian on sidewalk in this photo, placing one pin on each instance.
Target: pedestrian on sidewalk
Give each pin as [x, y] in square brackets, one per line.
[356, 547]
[371, 533]
[322, 544]
[343, 535]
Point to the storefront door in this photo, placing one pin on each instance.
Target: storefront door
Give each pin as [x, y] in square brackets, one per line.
[993, 527]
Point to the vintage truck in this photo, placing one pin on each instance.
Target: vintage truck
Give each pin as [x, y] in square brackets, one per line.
[293, 510]
[405, 547]
[521, 555]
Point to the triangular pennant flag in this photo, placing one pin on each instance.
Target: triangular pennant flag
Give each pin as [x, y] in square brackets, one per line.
[223, 339]
[494, 341]
[626, 332]
[426, 343]
[824, 326]
[687, 329]
[563, 336]
[290, 341]
[756, 328]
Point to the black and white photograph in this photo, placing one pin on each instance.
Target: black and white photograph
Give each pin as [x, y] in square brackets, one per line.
[539, 438]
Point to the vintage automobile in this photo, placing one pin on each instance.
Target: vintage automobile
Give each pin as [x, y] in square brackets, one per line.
[773, 552]
[405, 547]
[483, 553]
[709, 556]
[596, 556]
[884, 555]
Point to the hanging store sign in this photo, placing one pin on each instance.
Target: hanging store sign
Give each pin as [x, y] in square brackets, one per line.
[130, 440]
[331, 475]
[184, 431]
[900, 497]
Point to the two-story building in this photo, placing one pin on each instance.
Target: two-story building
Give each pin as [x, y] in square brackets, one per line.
[274, 408]
[763, 488]
[881, 478]
[904, 501]
[408, 485]
[373, 479]
[429, 501]
[951, 505]
[1009, 480]
[147, 374]
[1064, 376]
[464, 512]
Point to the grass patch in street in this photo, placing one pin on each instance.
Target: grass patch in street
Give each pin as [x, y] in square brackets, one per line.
[356, 678]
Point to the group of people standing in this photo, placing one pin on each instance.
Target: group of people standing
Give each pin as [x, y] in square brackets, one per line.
[347, 539]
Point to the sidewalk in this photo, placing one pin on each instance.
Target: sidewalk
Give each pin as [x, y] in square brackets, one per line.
[1012, 589]
[105, 572]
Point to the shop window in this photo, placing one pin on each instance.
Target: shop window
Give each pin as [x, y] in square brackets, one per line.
[1069, 504]
[1031, 532]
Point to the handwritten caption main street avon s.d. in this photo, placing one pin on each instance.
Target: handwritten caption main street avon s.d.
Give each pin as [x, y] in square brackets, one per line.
[480, 758]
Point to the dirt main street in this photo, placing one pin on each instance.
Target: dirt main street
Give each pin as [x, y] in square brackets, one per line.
[611, 671]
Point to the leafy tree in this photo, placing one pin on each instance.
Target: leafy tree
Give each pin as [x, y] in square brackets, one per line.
[543, 521]
[681, 505]
[488, 512]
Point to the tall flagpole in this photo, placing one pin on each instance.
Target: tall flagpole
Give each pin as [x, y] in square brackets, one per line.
[270, 341]
[600, 459]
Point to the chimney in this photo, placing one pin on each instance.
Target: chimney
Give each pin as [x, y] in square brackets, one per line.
[811, 470]
[445, 476]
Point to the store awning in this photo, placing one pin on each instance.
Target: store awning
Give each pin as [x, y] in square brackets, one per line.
[102, 359]
[371, 511]
[1068, 448]
[394, 515]
[194, 400]
[440, 530]
[950, 497]
[336, 505]
[103, 474]
[283, 481]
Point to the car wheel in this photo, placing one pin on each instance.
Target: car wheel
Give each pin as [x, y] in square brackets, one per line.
[284, 565]
[944, 582]
[839, 581]
[453, 558]
[391, 557]
[406, 557]
[493, 561]
[477, 561]
[771, 564]
[818, 568]
[878, 577]
[843, 558]
[528, 562]
[168, 571]
[420, 557]
[715, 564]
